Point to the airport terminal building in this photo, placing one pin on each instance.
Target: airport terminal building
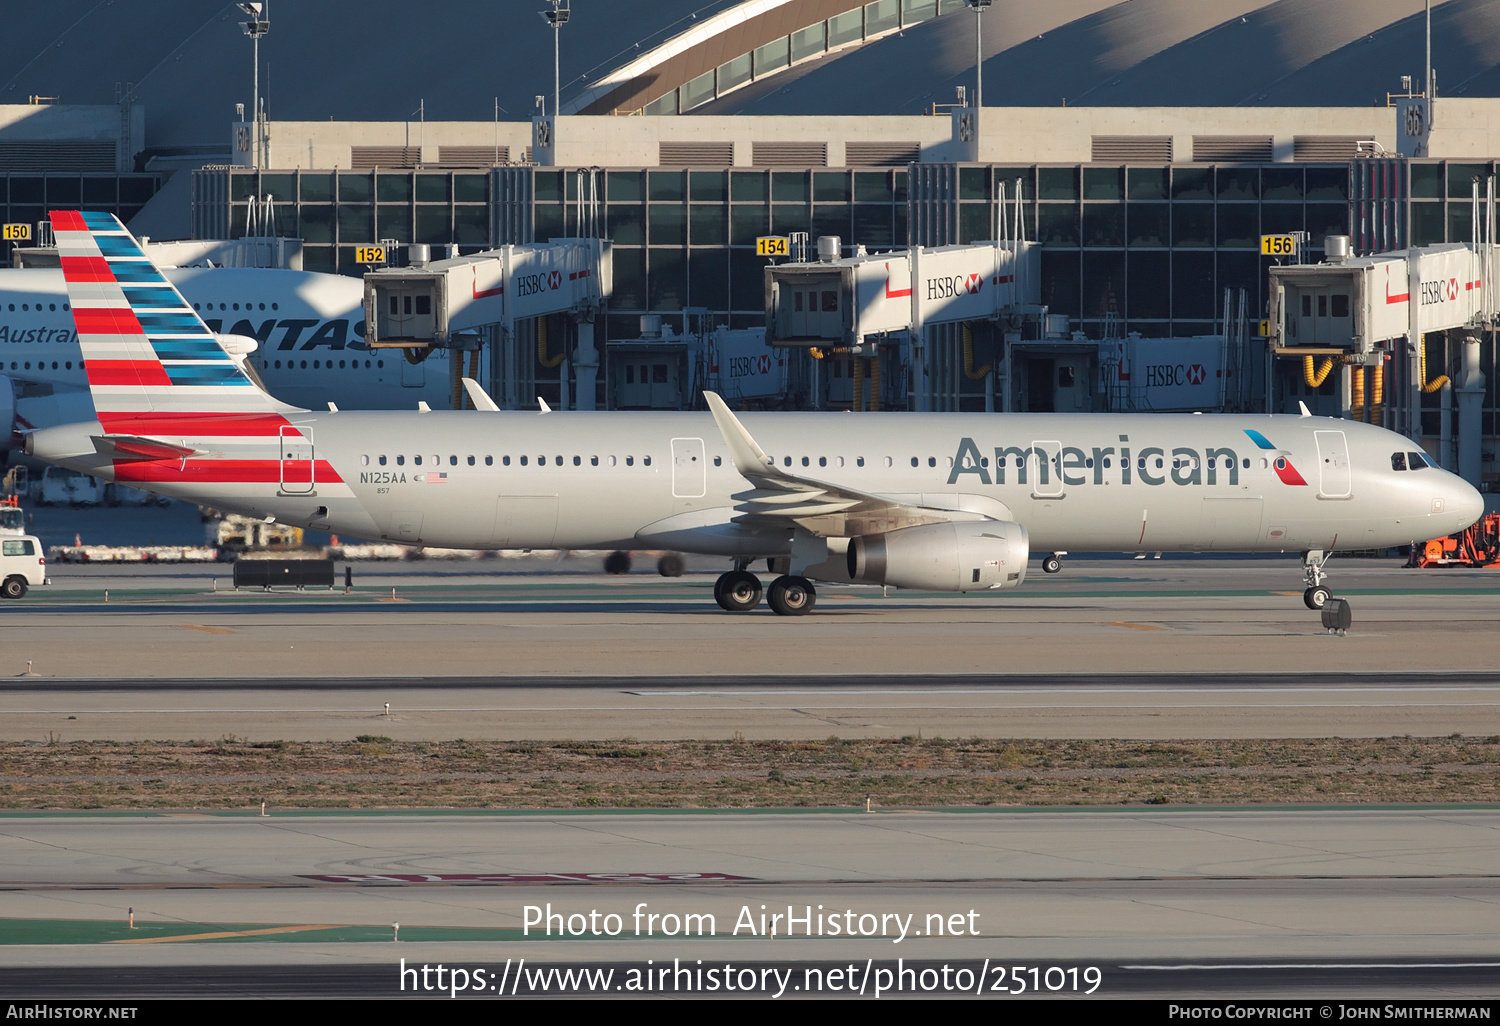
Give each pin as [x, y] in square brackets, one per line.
[776, 117]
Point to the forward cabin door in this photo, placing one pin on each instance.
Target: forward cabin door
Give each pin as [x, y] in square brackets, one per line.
[1335, 481]
[688, 474]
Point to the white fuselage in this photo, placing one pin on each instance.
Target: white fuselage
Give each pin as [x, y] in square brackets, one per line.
[601, 480]
[310, 328]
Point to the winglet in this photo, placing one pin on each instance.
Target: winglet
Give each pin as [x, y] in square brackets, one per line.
[748, 457]
[543, 404]
[479, 397]
[1303, 407]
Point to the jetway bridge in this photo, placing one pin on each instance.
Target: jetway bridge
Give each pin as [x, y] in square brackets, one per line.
[501, 296]
[1375, 319]
[861, 303]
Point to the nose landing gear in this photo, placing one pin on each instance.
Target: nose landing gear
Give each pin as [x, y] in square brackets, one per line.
[1317, 596]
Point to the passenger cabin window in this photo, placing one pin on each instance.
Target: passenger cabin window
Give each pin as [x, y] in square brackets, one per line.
[381, 460]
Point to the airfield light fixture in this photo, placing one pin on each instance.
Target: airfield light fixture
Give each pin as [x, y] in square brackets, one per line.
[258, 25]
[557, 17]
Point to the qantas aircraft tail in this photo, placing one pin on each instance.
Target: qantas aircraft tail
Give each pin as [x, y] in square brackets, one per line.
[147, 354]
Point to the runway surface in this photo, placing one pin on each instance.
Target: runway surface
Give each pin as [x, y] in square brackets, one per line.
[1369, 704]
[1326, 901]
[1320, 888]
[499, 649]
[1097, 616]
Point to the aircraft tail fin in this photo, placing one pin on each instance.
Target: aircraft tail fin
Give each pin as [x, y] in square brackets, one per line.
[145, 349]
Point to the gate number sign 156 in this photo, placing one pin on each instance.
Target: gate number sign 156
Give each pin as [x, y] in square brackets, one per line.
[1278, 245]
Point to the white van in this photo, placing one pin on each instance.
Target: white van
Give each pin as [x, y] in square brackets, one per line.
[21, 565]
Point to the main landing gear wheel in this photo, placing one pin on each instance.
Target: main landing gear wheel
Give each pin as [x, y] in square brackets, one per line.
[791, 596]
[738, 591]
[671, 565]
[1316, 598]
[1051, 564]
[617, 562]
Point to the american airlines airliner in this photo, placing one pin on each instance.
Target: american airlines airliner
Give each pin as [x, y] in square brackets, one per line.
[949, 502]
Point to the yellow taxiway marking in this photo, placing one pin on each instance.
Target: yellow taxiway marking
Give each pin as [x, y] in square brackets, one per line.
[219, 936]
[1134, 626]
[205, 630]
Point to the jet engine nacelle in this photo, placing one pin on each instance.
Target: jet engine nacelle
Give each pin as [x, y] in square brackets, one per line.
[966, 556]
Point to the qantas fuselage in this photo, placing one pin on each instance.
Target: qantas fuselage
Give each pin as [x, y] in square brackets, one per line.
[309, 329]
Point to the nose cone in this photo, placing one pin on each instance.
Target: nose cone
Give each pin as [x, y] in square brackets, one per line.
[1466, 504]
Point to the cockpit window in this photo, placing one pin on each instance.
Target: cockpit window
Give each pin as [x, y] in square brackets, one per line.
[1418, 460]
[1398, 461]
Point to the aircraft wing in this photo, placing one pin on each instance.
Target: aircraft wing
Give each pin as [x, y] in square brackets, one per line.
[824, 508]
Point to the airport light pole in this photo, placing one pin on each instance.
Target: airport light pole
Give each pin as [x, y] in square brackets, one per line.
[557, 18]
[979, 9]
[257, 26]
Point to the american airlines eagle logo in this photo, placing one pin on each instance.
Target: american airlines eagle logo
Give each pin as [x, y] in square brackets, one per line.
[1282, 465]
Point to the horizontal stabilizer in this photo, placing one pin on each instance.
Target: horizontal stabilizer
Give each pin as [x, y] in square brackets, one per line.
[134, 447]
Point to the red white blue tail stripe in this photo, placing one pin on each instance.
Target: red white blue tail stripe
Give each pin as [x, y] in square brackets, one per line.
[144, 348]
[174, 405]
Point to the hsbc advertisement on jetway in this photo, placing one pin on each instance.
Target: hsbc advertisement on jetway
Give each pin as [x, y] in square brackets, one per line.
[546, 281]
[1171, 373]
[742, 366]
[951, 283]
[1449, 292]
